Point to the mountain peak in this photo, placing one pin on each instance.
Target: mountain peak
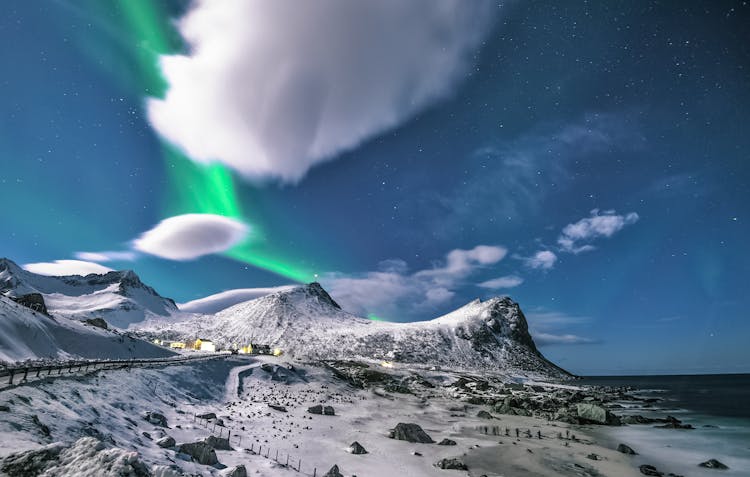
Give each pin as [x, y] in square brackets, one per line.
[315, 289]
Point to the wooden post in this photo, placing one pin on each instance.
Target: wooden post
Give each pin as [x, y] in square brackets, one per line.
[10, 380]
[277, 456]
[315, 472]
[287, 460]
[299, 465]
[25, 374]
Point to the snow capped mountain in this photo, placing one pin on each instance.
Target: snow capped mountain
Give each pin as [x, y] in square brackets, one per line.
[307, 323]
[223, 300]
[120, 297]
[27, 334]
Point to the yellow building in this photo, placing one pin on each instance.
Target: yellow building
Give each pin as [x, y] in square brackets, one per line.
[177, 345]
[247, 349]
[204, 345]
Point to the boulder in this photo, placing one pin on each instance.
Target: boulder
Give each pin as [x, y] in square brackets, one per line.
[98, 322]
[650, 470]
[591, 413]
[452, 463]
[35, 301]
[356, 448]
[334, 472]
[447, 442]
[166, 442]
[411, 433]
[156, 419]
[238, 471]
[208, 415]
[713, 464]
[200, 452]
[32, 462]
[328, 411]
[625, 449]
[484, 415]
[316, 409]
[218, 443]
[277, 407]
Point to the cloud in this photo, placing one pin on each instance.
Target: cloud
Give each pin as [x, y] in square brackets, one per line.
[110, 256]
[605, 224]
[393, 292]
[549, 327]
[509, 281]
[542, 260]
[220, 301]
[271, 88]
[189, 236]
[66, 267]
[543, 339]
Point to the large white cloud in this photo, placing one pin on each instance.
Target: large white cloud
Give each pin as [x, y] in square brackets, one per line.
[66, 267]
[543, 259]
[271, 88]
[574, 237]
[189, 236]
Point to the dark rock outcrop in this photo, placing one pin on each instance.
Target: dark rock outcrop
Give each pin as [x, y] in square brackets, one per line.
[713, 464]
[156, 419]
[218, 443]
[35, 301]
[238, 471]
[98, 322]
[451, 463]
[200, 452]
[410, 432]
[447, 442]
[166, 442]
[626, 449]
[356, 448]
[333, 472]
[650, 470]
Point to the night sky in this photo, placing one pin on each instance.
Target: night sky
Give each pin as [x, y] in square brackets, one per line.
[590, 160]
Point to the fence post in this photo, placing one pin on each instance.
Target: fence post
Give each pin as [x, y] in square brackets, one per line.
[299, 465]
[12, 372]
[287, 460]
[25, 374]
[277, 456]
[315, 471]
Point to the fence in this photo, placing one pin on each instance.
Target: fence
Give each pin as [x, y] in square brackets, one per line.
[20, 375]
[268, 452]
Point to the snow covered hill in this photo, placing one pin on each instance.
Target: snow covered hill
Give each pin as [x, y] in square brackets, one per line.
[307, 323]
[27, 334]
[120, 297]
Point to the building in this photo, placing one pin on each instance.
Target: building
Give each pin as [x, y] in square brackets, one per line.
[202, 344]
[177, 345]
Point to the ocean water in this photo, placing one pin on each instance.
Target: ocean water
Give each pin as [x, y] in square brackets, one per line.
[718, 406]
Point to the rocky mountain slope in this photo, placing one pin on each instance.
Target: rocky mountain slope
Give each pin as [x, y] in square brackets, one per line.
[120, 298]
[27, 334]
[307, 323]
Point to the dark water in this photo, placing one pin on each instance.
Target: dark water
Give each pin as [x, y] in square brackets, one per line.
[726, 395]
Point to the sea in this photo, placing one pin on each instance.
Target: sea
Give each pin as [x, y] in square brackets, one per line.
[717, 405]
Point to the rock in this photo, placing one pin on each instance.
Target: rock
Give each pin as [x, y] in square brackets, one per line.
[650, 470]
[591, 413]
[98, 322]
[356, 448]
[147, 435]
[334, 472]
[200, 452]
[207, 416]
[593, 456]
[238, 471]
[328, 411]
[713, 464]
[411, 433]
[484, 415]
[625, 449]
[218, 443]
[277, 407]
[166, 442]
[316, 409]
[32, 462]
[674, 423]
[156, 419]
[453, 463]
[267, 367]
[35, 301]
[638, 420]
[4, 408]
[42, 427]
[447, 442]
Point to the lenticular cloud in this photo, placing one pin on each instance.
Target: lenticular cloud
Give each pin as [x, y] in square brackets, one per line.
[189, 236]
[271, 88]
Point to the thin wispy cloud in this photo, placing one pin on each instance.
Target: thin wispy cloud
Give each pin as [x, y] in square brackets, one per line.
[577, 237]
[66, 267]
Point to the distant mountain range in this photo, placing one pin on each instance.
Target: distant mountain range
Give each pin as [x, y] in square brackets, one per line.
[304, 321]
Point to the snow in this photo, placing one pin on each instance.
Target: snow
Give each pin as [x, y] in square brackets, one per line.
[120, 298]
[306, 323]
[29, 335]
[223, 300]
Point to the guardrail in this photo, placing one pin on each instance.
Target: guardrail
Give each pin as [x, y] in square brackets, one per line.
[19, 375]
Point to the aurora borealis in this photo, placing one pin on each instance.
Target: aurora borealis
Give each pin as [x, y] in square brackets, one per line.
[603, 163]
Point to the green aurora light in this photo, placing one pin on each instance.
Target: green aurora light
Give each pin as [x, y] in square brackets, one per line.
[192, 187]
